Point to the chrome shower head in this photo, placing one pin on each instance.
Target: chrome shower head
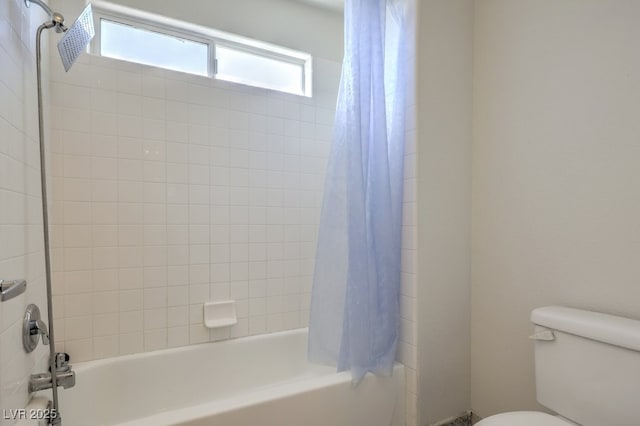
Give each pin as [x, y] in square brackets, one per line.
[76, 38]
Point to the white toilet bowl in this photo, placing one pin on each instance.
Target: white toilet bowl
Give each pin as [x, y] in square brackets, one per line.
[524, 418]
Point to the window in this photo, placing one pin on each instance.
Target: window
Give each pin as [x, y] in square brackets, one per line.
[126, 42]
[183, 47]
[257, 69]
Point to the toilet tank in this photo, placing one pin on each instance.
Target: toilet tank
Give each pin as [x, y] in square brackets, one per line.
[588, 365]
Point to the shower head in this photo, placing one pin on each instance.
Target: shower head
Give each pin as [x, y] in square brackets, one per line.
[76, 38]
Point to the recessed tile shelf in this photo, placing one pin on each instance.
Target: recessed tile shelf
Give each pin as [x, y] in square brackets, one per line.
[220, 314]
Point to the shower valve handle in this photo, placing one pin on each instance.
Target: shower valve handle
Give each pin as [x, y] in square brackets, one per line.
[32, 328]
[38, 327]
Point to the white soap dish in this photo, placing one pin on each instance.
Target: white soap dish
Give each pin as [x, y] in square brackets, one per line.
[220, 314]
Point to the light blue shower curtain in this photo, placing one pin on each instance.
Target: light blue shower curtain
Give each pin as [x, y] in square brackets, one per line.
[354, 318]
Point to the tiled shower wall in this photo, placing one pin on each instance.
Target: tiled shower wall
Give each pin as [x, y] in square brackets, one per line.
[21, 249]
[408, 349]
[173, 190]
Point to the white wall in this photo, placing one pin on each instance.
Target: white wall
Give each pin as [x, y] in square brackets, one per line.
[21, 246]
[556, 187]
[444, 193]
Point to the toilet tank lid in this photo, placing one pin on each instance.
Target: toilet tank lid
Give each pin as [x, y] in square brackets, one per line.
[610, 329]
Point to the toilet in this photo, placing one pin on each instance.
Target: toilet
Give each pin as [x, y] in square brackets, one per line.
[587, 370]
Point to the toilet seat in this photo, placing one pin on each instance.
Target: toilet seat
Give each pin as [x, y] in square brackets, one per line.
[524, 418]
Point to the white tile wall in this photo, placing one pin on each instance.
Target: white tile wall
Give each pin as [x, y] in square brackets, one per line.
[408, 349]
[21, 252]
[173, 190]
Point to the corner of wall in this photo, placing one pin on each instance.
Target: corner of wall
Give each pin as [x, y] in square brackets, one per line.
[444, 114]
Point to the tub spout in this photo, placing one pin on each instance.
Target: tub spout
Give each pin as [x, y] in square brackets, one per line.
[65, 376]
[39, 382]
[67, 379]
[42, 381]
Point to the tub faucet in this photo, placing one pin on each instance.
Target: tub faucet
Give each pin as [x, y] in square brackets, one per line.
[65, 376]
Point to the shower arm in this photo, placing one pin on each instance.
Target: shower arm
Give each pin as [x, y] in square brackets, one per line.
[55, 17]
[42, 4]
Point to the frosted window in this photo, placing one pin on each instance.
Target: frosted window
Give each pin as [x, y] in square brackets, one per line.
[133, 44]
[257, 70]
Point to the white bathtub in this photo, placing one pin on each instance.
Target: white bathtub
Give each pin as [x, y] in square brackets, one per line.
[261, 380]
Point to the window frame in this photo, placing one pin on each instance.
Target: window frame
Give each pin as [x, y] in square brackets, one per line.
[100, 14]
[209, 37]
